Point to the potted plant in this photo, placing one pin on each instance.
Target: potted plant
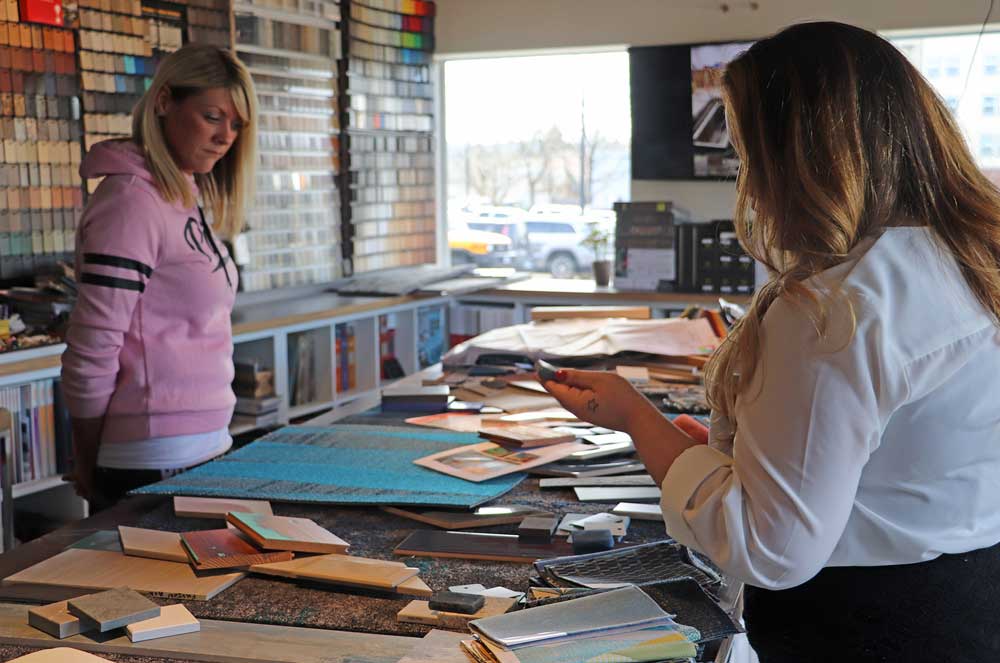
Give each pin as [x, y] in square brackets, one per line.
[598, 240]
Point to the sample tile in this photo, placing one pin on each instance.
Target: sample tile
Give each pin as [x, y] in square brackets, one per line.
[616, 494]
[630, 480]
[537, 529]
[475, 545]
[55, 620]
[217, 508]
[342, 570]
[524, 435]
[113, 609]
[414, 587]
[225, 549]
[173, 620]
[284, 533]
[484, 461]
[639, 511]
[419, 612]
[484, 516]
[99, 569]
[58, 655]
[437, 647]
[152, 543]
[464, 603]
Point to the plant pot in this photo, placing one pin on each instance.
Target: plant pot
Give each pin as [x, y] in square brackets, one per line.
[602, 272]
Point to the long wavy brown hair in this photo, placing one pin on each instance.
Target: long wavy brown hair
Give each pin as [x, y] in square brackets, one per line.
[840, 136]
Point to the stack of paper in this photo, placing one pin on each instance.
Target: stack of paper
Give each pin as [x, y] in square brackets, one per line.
[620, 625]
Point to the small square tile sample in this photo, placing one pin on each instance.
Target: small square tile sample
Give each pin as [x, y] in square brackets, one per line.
[537, 529]
[55, 620]
[173, 620]
[113, 609]
[592, 540]
[466, 604]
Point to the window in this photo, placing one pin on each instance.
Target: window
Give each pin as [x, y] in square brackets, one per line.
[991, 66]
[968, 86]
[535, 145]
[988, 145]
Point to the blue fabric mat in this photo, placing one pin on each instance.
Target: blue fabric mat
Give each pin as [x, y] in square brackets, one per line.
[344, 464]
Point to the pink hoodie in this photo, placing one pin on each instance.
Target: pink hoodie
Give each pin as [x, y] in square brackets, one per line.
[149, 345]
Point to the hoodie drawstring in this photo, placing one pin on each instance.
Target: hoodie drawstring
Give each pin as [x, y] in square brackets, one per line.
[211, 241]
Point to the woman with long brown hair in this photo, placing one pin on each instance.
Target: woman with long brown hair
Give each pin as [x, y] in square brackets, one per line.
[853, 475]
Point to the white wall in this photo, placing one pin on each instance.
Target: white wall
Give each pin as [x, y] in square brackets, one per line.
[468, 27]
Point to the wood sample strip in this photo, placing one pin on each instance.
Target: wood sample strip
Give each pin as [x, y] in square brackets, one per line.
[419, 612]
[173, 620]
[217, 508]
[283, 533]
[631, 480]
[54, 619]
[58, 655]
[153, 544]
[113, 608]
[223, 642]
[342, 570]
[476, 545]
[101, 569]
[484, 516]
[225, 549]
[414, 587]
[438, 647]
[617, 494]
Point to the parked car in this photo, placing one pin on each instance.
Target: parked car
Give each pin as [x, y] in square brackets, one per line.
[481, 247]
[554, 245]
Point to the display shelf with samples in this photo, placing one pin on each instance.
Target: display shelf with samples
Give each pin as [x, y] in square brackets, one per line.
[40, 188]
[389, 210]
[291, 49]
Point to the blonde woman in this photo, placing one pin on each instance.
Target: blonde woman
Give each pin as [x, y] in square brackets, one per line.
[148, 363]
[853, 474]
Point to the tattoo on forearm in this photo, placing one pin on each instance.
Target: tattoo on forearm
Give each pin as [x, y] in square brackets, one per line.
[592, 405]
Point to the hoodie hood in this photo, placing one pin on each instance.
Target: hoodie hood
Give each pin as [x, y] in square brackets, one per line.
[120, 157]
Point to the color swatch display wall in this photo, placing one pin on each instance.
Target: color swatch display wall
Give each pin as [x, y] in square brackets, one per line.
[389, 217]
[291, 48]
[40, 195]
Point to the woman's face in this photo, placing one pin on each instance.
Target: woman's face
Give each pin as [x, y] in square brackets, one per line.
[200, 129]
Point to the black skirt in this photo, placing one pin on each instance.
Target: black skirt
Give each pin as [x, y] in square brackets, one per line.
[946, 610]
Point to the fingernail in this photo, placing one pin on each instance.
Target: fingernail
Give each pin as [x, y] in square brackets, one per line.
[560, 375]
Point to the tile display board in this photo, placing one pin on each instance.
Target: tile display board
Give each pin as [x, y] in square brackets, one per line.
[291, 48]
[388, 152]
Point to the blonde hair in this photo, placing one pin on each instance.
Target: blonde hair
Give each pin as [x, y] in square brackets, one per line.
[229, 187]
[839, 136]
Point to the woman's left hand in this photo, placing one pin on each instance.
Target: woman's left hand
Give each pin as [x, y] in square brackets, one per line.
[603, 398]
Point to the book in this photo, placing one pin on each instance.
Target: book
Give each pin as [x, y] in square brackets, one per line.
[257, 406]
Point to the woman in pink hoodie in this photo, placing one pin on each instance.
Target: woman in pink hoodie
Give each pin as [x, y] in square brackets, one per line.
[148, 362]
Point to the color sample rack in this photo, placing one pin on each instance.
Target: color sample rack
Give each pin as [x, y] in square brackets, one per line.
[40, 194]
[389, 116]
[291, 48]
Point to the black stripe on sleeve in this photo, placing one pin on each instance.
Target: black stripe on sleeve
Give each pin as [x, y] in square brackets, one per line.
[116, 261]
[112, 282]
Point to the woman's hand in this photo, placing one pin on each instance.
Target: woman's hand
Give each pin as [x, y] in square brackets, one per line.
[603, 398]
[86, 443]
[610, 401]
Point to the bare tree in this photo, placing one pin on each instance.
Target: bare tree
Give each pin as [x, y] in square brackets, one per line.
[491, 173]
[536, 157]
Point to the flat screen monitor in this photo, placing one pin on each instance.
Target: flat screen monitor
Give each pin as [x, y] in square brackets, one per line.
[678, 119]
